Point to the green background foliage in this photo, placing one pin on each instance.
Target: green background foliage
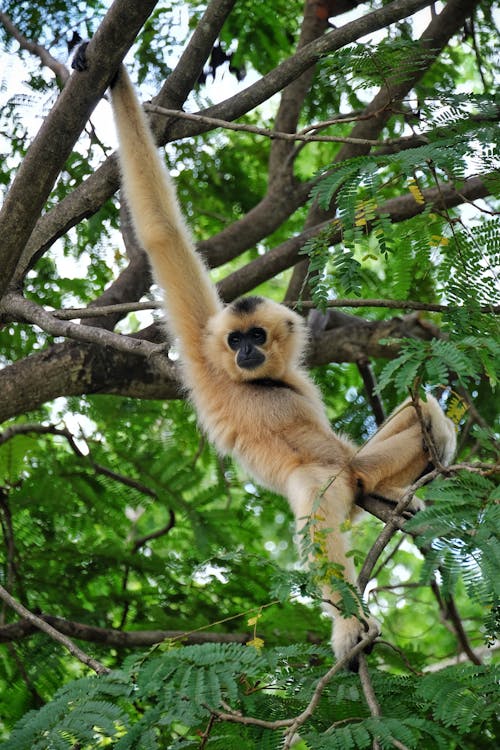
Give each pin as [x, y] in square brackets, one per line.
[120, 516]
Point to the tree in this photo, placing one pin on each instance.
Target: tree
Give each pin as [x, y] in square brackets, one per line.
[351, 171]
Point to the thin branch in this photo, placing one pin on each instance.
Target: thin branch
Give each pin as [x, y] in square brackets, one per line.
[40, 624]
[369, 693]
[26, 428]
[370, 384]
[141, 541]
[60, 130]
[450, 613]
[372, 701]
[289, 252]
[215, 122]
[293, 724]
[393, 304]
[46, 58]
[392, 525]
[79, 313]
[482, 651]
[38, 701]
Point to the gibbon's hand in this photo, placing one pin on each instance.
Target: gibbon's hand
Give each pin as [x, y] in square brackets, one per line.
[79, 60]
[80, 64]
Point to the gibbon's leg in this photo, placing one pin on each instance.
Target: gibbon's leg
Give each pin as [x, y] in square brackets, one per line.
[397, 454]
[322, 500]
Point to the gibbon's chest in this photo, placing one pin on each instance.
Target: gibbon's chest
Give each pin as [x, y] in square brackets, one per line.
[268, 427]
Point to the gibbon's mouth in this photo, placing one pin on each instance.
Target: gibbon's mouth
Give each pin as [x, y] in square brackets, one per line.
[250, 362]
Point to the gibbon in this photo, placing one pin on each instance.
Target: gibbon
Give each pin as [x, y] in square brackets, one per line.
[241, 364]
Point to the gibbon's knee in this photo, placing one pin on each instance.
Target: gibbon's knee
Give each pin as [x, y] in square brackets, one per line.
[397, 455]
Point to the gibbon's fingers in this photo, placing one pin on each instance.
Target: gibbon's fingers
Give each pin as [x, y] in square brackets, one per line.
[191, 298]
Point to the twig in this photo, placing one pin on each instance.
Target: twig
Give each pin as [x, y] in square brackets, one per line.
[396, 304]
[206, 734]
[293, 724]
[372, 701]
[53, 633]
[370, 384]
[392, 525]
[93, 312]
[369, 693]
[386, 560]
[138, 543]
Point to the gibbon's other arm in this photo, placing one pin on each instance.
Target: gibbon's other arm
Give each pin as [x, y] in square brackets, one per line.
[191, 298]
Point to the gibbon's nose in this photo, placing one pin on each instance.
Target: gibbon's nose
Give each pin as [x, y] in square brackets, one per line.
[249, 357]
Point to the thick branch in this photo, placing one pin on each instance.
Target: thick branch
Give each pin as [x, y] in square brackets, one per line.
[433, 40]
[40, 624]
[75, 368]
[60, 130]
[115, 638]
[288, 253]
[89, 196]
[24, 310]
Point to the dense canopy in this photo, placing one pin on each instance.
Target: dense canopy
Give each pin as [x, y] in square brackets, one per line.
[341, 157]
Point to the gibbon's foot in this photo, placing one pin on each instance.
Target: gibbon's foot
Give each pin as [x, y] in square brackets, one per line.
[347, 632]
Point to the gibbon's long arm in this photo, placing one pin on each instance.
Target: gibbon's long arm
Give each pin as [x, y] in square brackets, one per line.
[191, 298]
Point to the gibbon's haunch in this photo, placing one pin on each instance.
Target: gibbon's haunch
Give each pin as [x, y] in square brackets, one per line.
[242, 366]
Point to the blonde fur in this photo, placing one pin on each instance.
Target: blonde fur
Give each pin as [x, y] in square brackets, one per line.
[275, 426]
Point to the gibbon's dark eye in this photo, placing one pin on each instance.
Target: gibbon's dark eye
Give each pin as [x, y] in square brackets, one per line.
[257, 335]
[234, 340]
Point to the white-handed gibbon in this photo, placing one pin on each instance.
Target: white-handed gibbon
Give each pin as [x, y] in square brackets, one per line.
[242, 366]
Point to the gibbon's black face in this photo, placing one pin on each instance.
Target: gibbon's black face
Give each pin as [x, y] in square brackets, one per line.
[246, 344]
[254, 338]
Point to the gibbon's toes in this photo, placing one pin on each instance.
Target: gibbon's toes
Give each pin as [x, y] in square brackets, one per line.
[347, 632]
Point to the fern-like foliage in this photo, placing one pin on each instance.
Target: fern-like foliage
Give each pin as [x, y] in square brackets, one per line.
[465, 135]
[434, 361]
[165, 699]
[460, 535]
